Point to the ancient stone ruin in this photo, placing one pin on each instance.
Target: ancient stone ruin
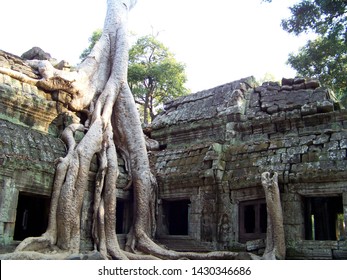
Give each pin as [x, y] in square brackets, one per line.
[215, 144]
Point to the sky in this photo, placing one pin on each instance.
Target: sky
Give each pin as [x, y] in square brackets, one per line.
[219, 41]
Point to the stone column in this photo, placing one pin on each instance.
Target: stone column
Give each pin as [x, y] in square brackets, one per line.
[344, 205]
[8, 210]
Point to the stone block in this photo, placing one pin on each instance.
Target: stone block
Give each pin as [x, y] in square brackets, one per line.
[299, 86]
[343, 144]
[286, 88]
[318, 94]
[325, 106]
[283, 126]
[7, 80]
[307, 140]
[17, 85]
[252, 112]
[299, 80]
[259, 147]
[261, 161]
[2, 229]
[278, 117]
[287, 82]
[260, 89]
[294, 232]
[294, 114]
[332, 127]
[332, 145]
[26, 88]
[339, 135]
[8, 201]
[309, 109]
[339, 254]
[9, 232]
[321, 139]
[313, 254]
[291, 140]
[296, 158]
[257, 129]
[269, 128]
[255, 245]
[274, 159]
[337, 154]
[312, 84]
[310, 157]
[272, 109]
[254, 101]
[276, 144]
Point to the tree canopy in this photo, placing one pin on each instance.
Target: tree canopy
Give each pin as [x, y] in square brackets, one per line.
[326, 56]
[154, 75]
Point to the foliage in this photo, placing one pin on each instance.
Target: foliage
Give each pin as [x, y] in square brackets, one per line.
[154, 75]
[326, 56]
[327, 60]
[92, 41]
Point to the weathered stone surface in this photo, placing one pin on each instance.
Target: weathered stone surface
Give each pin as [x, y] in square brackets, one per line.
[293, 129]
[184, 119]
[217, 143]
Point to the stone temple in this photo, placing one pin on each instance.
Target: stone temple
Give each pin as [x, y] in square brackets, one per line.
[214, 146]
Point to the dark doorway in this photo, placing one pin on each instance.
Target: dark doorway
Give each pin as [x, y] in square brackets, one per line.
[322, 218]
[124, 216]
[176, 213]
[32, 215]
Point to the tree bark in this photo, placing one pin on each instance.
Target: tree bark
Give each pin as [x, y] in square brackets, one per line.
[275, 240]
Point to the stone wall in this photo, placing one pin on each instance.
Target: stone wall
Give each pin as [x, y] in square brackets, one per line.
[29, 146]
[201, 117]
[26, 165]
[296, 129]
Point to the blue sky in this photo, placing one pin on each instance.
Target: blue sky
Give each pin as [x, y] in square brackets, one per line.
[219, 41]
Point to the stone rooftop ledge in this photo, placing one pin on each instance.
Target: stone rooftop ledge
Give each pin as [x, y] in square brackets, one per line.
[205, 104]
[25, 104]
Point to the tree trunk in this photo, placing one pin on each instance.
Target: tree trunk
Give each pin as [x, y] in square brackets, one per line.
[151, 109]
[275, 241]
[146, 109]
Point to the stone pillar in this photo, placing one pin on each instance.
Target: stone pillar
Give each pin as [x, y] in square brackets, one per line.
[195, 217]
[344, 204]
[86, 221]
[234, 217]
[8, 210]
[293, 217]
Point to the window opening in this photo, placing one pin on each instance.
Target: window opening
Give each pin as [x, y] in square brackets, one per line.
[324, 219]
[252, 220]
[249, 218]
